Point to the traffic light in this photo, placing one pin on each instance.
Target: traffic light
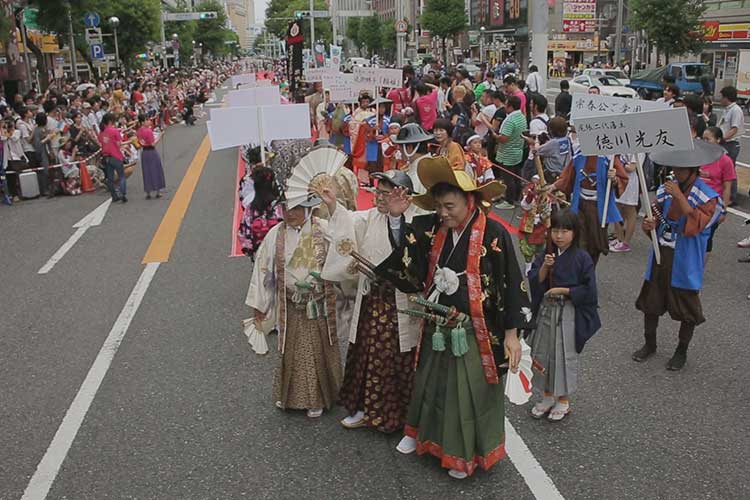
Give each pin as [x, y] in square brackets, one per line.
[208, 15]
[302, 14]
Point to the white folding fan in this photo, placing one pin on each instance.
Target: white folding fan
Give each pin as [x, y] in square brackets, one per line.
[322, 160]
[518, 385]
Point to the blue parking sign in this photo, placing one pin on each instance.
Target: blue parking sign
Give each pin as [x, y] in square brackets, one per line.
[97, 51]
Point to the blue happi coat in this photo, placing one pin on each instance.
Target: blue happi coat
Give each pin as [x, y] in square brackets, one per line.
[689, 251]
[602, 165]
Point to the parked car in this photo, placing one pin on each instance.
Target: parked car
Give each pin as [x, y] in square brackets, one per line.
[614, 73]
[471, 68]
[353, 62]
[607, 85]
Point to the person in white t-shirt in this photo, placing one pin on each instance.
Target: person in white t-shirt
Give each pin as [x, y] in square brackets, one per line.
[535, 82]
[483, 119]
[537, 127]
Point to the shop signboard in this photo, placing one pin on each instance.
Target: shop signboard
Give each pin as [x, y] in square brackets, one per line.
[579, 16]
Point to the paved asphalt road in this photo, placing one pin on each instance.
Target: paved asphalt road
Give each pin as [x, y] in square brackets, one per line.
[185, 410]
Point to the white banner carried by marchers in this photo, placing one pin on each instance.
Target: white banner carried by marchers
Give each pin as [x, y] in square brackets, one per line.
[230, 127]
[243, 79]
[340, 87]
[378, 77]
[254, 96]
[646, 132]
[587, 105]
[320, 74]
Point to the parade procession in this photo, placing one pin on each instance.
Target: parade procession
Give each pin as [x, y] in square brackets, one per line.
[328, 255]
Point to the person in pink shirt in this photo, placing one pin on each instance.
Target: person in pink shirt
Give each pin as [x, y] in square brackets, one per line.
[718, 175]
[111, 140]
[426, 105]
[153, 171]
[511, 88]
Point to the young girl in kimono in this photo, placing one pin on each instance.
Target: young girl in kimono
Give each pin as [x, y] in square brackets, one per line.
[564, 301]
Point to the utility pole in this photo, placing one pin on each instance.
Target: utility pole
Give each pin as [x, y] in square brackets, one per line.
[25, 49]
[73, 62]
[163, 37]
[618, 32]
[333, 21]
[312, 28]
[539, 21]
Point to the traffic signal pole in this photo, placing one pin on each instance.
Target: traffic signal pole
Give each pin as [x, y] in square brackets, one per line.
[312, 28]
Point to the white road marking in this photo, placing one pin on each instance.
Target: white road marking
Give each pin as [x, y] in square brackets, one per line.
[738, 213]
[743, 164]
[536, 478]
[49, 467]
[93, 218]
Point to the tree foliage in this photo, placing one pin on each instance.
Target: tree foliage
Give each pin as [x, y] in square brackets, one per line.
[212, 33]
[388, 38]
[370, 34]
[139, 23]
[444, 19]
[353, 32]
[674, 26]
[279, 13]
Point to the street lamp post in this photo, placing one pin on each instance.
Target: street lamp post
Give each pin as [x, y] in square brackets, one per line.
[115, 22]
[481, 44]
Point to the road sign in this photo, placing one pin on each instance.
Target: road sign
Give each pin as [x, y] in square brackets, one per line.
[97, 51]
[306, 13]
[189, 16]
[91, 19]
[30, 18]
[402, 26]
[354, 13]
[94, 35]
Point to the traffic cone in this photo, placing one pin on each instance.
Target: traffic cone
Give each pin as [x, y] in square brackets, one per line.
[86, 185]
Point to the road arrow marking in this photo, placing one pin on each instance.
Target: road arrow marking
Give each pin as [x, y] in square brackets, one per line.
[93, 218]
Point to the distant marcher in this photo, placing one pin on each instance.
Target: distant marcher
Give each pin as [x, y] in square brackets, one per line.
[111, 140]
[153, 171]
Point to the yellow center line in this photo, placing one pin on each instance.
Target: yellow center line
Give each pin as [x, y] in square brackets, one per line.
[165, 236]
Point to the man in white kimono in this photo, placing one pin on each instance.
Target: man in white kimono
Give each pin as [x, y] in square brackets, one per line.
[380, 360]
[289, 282]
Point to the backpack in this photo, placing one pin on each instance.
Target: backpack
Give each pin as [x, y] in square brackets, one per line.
[462, 129]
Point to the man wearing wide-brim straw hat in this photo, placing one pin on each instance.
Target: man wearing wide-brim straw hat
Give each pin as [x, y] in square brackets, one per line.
[459, 258]
[685, 211]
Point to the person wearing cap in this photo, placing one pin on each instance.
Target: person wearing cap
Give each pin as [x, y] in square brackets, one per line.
[686, 210]
[584, 182]
[413, 141]
[477, 163]
[283, 286]
[462, 260]
[380, 359]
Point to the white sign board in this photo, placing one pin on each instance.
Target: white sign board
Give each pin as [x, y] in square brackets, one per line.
[379, 77]
[231, 127]
[341, 87]
[646, 132]
[319, 74]
[586, 105]
[254, 97]
[243, 79]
